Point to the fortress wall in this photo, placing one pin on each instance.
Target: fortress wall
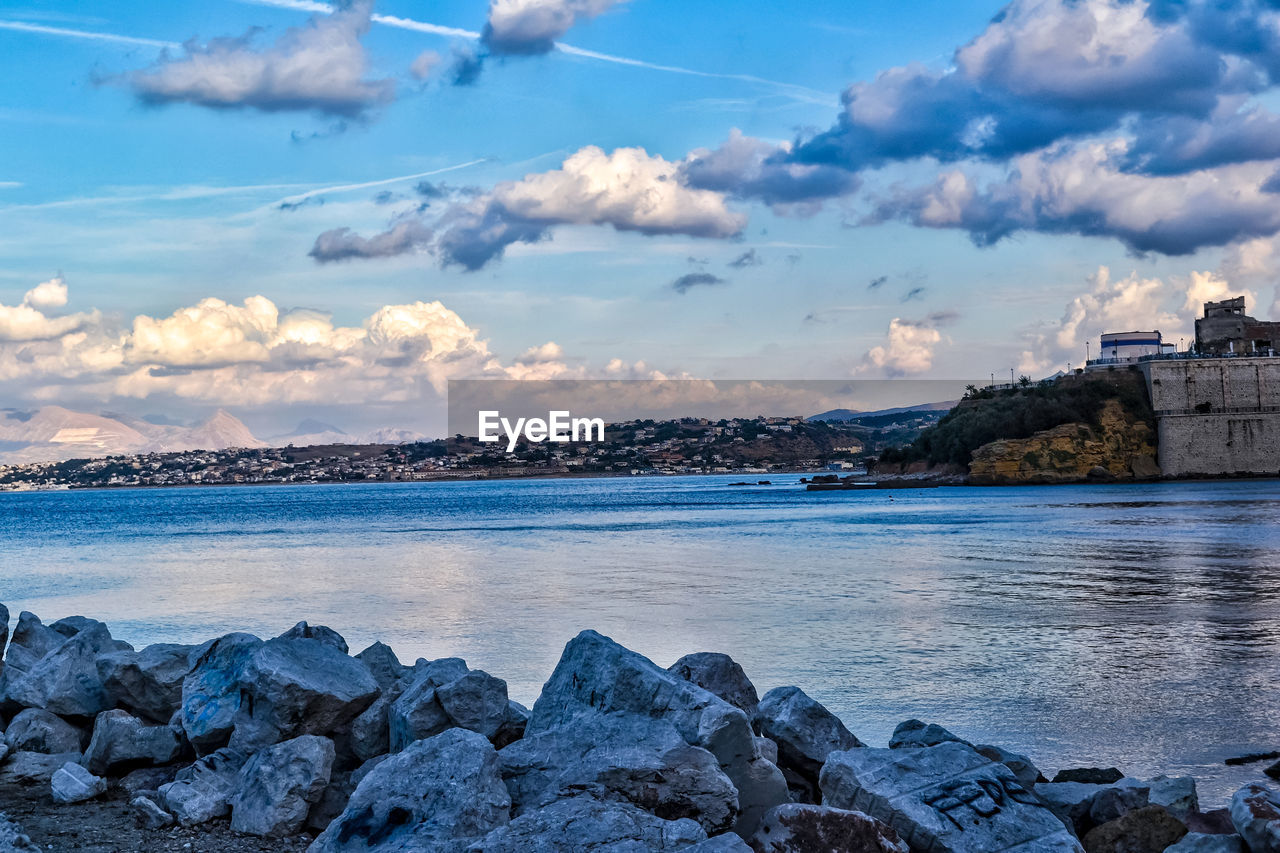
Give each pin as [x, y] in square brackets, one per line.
[1240, 434]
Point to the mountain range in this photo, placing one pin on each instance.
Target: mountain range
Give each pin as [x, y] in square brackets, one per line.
[54, 433]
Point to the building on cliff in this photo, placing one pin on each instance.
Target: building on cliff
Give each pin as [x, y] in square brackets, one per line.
[1226, 330]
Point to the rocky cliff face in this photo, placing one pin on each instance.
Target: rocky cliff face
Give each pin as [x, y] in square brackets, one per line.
[1119, 448]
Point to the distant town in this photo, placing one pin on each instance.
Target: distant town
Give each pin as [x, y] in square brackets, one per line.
[747, 446]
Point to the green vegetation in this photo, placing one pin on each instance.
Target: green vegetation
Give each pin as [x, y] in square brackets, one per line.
[985, 415]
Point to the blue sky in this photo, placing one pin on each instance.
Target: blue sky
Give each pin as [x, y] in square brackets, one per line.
[987, 197]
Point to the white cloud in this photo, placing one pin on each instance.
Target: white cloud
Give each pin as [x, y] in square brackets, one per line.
[908, 348]
[29, 320]
[47, 294]
[533, 26]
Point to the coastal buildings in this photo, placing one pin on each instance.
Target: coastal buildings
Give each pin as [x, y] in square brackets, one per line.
[1225, 329]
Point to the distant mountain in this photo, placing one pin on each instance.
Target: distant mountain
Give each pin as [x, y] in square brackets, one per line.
[312, 432]
[850, 414]
[53, 433]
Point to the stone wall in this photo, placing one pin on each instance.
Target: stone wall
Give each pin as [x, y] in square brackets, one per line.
[1216, 416]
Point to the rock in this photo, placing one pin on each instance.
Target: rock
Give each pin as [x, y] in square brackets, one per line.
[278, 786]
[72, 625]
[37, 730]
[620, 756]
[342, 784]
[383, 664]
[514, 723]
[1071, 802]
[1143, 466]
[1090, 775]
[65, 681]
[442, 694]
[211, 690]
[1024, 771]
[721, 675]
[301, 687]
[943, 798]
[1116, 801]
[914, 733]
[146, 779]
[1199, 842]
[12, 838]
[4, 628]
[805, 733]
[4, 752]
[1212, 822]
[1175, 793]
[34, 768]
[429, 798]
[799, 828]
[328, 636]
[1150, 829]
[30, 642]
[203, 791]
[768, 749]
[596, 675]
[587, 825]
[148, 814]
[71, 783]
[122, 742]
[146, 683]
[1255, 813]
[728, 843]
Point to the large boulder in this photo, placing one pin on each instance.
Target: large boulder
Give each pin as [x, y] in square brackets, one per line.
[305, 631]
[805, 733]
[1255, 813]
[912, 734]
[37, 730]
[1071, 802]
[721, 675]
[801, 828]
[370, 734]
[1150, 829]
[4, 628]
[342, 784]
[203, 791]
[587, 825]
[1023, 769]
[620, 756]
[1200, 842]
[301, 687]
[71, 783]
[211, 690]
[383, 664]
[1089, 775]
[33, 768]
[442, 694]
[730, 842]
[31, 641]
[122, 742]
[597, 675]
[147, 683]
[65, 681]
[943, 798]
[278, 786]
[430, 798]
[1175, 793]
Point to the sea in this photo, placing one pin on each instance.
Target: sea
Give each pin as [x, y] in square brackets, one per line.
[1135, 626]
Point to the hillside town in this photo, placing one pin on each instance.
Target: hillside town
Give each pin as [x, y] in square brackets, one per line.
[762, 445]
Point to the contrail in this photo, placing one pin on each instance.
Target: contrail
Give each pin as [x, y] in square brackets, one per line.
[800, 92]
[294, 199]
[19, 26]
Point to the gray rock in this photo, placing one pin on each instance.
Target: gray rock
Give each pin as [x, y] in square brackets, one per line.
[65, 681]
[342, 784]
[429, 798]
[148, 814]
[203, 791]
[442, 694]
[596, 675]
[943, 798]
[328, 636]
[514, 723]
[71, 625]
[135, 782]
[1089, 775]
[620, 756]
[370, 733]
[383, 664]
[1176, 793]
[122, 742]
[12, 838]
[587, 825]
[1150, 829]
[800, 828]
[301, 687]
[147, 683]
[211, 691]
[1116, 801]
[1199, 842]
[805, 732]
[768, 749]
[30, 642]
[1255, 813]
[721, 675]
[4, 751]
[1023, 769]
[913, 734]
[728, 843]
[71, 783]
[4, 628]
[278, 786]
[33, 768]
[37, 730]
[1070, 801]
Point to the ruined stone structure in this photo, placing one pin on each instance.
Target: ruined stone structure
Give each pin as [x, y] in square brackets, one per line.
[1216, 416]
[1226, 329]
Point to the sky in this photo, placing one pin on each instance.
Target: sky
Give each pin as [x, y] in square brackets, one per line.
[293, 210]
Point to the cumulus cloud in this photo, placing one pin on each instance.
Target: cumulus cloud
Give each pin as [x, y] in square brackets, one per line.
[47, 294]
[341, 244]
[688, 281]
[30, 320]
[321, 67]
[749, 168]
[533, 26]
[908, 348]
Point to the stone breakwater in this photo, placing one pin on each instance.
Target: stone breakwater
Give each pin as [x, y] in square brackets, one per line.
[295, 736]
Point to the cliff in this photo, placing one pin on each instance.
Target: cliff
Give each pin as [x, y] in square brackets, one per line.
[1120, 447]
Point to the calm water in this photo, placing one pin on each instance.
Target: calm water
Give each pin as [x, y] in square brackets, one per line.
[1130, 625]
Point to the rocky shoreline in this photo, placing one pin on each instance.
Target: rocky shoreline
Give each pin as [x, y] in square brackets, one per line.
[292, 743]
